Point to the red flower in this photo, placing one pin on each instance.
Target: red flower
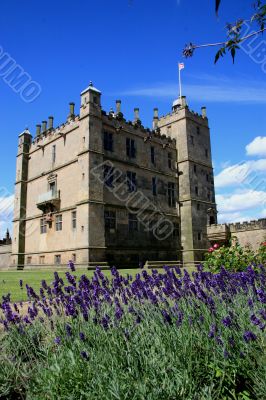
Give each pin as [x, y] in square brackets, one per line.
[211, 249]
[216, 246]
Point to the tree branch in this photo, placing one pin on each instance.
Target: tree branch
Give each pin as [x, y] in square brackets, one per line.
[188, 51]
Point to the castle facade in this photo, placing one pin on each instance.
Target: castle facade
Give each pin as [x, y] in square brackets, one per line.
[103, 190]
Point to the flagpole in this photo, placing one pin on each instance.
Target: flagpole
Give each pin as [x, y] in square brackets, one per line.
[180, 88]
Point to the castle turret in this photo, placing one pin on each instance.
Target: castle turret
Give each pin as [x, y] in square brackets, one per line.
[195, 176]
[18, 245]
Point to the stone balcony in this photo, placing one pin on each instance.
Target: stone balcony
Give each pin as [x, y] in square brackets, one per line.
[49, 201]
[218, 233]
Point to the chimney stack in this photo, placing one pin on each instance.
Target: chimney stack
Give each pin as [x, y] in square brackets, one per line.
[183, 101]
[118, 106]
[50, 122]
[71, 114]
[38, 130]
[204, 112]
[155, 119]
[44, 126]
[136, 115]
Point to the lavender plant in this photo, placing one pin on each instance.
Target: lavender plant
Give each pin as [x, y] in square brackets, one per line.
[164, 335]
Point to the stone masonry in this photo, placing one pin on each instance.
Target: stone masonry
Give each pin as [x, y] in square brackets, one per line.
[84, 189]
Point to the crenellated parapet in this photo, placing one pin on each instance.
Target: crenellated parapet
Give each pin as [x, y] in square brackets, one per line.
[251, 233]
[248, 225]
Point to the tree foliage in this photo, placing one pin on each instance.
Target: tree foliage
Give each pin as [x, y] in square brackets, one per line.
[234, 32]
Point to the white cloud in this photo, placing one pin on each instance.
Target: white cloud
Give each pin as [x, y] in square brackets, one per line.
[245, 173]
[237, 202]
[257, 147]
[6, 213]
[214, 90]
[233, 217]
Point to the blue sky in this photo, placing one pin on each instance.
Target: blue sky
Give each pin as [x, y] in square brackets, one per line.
[130, 50]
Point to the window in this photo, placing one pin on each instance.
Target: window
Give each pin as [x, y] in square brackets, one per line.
[108, 141]
[74, 257]
[130, 146]
[199, 236]
[58, 222]
[43, 225]
[198, 206]
[154, 186]
[206, 153]
[52, 187]
[74, 219]
[57, 259]
[171, 194]
[207, 177]
[195, 168]
[192, 140]
[54, 153]
[41, 260]
[132, 223]
[176, 230]
[170, 160]
[196, 190]
[108, 175]
[212, 220]
[209, 195]
[110, 221]
[152, 155]
[131, 181]
[29, 260]
[198, 130]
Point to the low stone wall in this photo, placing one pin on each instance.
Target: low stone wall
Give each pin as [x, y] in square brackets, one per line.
[251, 233]
[5, 256]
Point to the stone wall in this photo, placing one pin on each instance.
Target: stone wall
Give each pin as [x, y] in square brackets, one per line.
[5, 256]
[251, 233]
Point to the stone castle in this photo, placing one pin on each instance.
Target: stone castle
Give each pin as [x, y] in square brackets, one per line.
[101, 190]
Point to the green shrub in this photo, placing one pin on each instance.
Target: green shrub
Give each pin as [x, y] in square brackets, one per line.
[234, 257]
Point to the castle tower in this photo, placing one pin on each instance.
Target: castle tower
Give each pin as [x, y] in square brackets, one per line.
[197, 206]
[20, 206]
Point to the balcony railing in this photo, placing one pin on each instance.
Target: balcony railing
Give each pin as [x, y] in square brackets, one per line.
[49, 201]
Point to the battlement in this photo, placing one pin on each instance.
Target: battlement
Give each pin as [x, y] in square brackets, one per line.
[248, 225]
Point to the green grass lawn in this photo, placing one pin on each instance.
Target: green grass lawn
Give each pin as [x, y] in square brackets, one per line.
[9, 280]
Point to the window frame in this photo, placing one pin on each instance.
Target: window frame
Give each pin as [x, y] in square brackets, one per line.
[57, 257]
[171, 194]
[153, 155]
[130, 148]
[43, 226]
[74, 220]
[133, 223]
[108, 141]
[110, 221]
[131, 181]
[59, 222]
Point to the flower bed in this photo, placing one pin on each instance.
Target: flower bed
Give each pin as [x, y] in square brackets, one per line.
[164, 335]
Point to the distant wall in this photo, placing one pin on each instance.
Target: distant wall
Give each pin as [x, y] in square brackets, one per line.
[5, 256]
[251, 233]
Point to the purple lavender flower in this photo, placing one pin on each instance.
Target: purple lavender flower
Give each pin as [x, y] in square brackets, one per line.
[82, 336]
[84, 355]
[71, 265]
[21, 283]
[68, 330]
[255, 320]
[57, 340]
[227, 321]
[249, 336]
